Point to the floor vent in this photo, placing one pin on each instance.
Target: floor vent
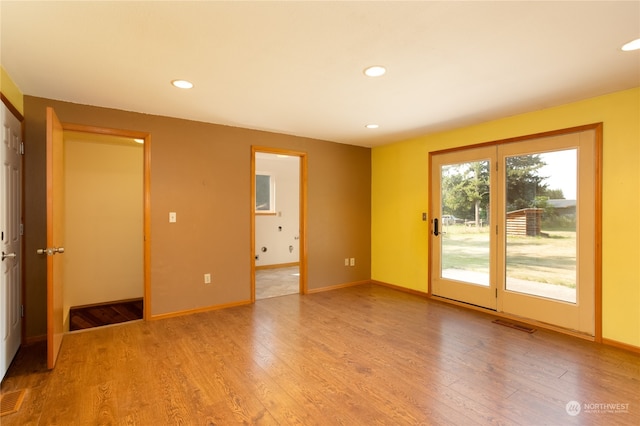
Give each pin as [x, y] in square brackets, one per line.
[10, 402]
[510, 324]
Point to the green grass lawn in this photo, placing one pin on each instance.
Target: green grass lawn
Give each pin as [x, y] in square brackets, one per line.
[547, 259]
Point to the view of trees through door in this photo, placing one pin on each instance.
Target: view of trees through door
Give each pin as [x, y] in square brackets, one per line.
[530, 200]
[514, 227]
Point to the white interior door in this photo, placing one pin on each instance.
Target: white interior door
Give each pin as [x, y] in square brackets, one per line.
[10, 239]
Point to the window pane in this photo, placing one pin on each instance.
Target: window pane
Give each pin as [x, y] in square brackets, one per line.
[465, 231]
[541, 224]
[263, 193]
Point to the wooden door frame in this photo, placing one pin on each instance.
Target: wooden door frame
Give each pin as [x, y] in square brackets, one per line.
[71, 127]
[302, 214]
[598, 128]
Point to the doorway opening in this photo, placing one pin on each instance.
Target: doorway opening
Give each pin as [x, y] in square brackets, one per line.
[105, 219]
[278, 217]
[57, 314]
[103, 227]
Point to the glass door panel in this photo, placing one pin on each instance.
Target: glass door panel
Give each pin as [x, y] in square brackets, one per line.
[462, 245]
[513, 227]
[547, 230]
[540, 212]
[465, 238]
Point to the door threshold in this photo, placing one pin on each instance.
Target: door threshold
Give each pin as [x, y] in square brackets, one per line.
[515, 318]
[463, 304]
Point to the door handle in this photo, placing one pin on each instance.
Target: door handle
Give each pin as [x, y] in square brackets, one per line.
[51, 251]
[8, 256]
[435, 227]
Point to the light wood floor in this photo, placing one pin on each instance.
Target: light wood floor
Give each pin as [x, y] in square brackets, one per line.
[356, 356]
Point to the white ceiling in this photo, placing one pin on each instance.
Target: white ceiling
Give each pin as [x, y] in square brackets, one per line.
[296, 67]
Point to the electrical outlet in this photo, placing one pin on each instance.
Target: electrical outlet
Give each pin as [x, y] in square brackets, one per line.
[352, 261]
[172, 217]
[207, 278]
[346, 261]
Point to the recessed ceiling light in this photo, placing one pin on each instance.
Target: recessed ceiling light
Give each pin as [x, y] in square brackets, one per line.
[372, 126]
[182, 84]
[632, 45]
[375, 71]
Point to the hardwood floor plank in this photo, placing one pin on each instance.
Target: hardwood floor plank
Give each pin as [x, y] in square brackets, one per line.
[104, 408]
[330, 362]
[238, 387]
[361, 355]
[361, 377]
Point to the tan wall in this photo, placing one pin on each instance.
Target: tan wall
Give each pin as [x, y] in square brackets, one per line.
[103, 257]
[202, 172]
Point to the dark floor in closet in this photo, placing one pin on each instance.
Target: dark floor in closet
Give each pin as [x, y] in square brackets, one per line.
[82, 317]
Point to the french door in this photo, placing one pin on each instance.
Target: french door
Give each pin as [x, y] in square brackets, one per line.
[514, 228]
[463, 247]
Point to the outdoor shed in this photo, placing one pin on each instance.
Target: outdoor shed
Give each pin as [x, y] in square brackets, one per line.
[524, 222]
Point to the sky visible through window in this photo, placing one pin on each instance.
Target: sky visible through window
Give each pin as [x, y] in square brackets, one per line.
[561, 171]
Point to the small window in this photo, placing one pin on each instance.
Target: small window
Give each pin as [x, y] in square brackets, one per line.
[265, 193]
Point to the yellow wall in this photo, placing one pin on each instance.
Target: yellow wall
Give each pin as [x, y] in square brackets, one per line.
[400, 184]
[11, 91]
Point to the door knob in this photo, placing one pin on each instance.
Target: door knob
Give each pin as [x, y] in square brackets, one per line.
[51, 251]
[8, 255]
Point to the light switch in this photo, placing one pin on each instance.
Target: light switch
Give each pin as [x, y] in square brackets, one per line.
[172, 217]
